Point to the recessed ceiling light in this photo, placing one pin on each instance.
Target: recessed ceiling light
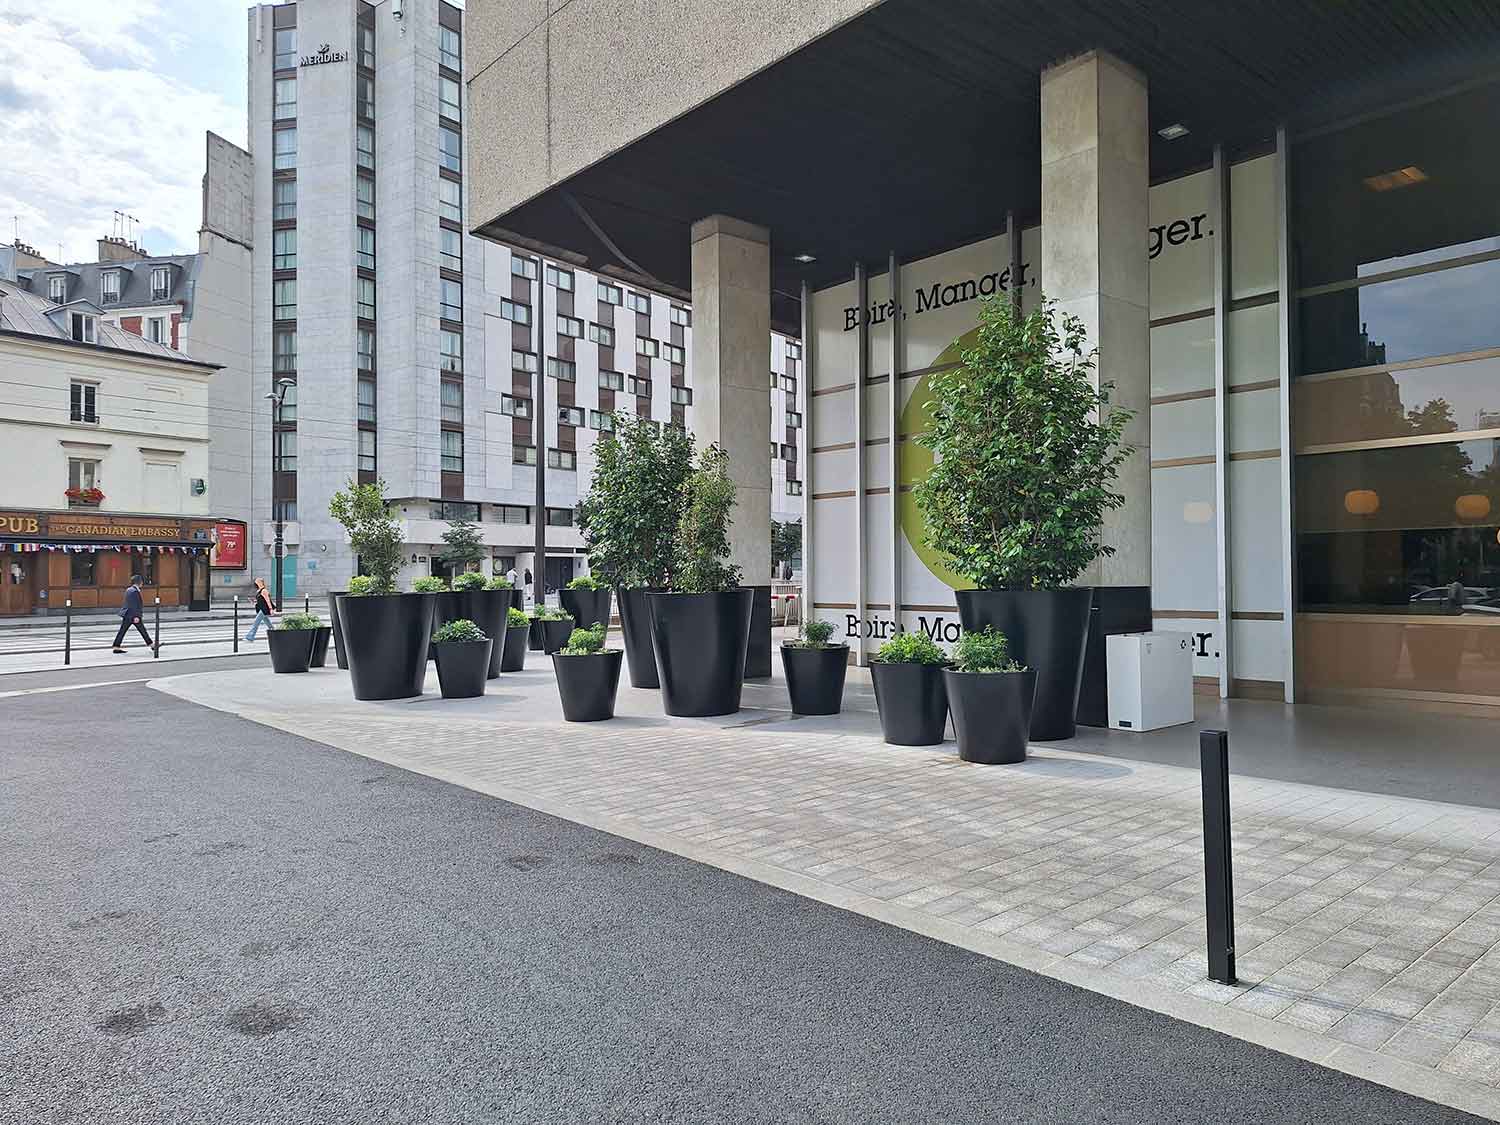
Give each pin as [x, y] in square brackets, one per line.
[1400, 178]
[1173, 131]
[804, 258]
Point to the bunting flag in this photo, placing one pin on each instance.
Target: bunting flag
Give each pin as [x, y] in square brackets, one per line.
[79, 548]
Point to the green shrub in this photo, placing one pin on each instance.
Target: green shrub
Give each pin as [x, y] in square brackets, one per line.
[374, 533]
[465, 544]
[815, 634]
[499, 582]
[361, 585]
[911, 648]
[586, 582]
[584, 642]
[703, 531]
[984, 651]
[429, 584]
[461, 630]
[515, 619]
[300, 621]
[468, 580]
[549, 613]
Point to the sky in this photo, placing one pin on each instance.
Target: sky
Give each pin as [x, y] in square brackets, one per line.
[103, 108]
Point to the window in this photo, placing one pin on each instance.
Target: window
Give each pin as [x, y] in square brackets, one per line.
[161, 283]
[453, 451]
[156, 329]
[454, 510]
[560, 459]
[57, 289]
[641, 302]
[512, 513]
[367, 47]
[523, 267]
[640, 387]
[452, 351]
[563, 369]
[450, 53]
[570, 415]
[284, 200]
[81, 568]
[775, 380]
[82, 400]
[570, 326]
[364, 197]
[366, 350]
[559, 517]
[285, 105]
[793, 419]
[284, 299]
[284, 249]
[611, 294]
[284, 149]
[560, 279]
[367, 451]
[602, 334]
[788, 452]
[364, 298]
[793, 351]
[286, 409]
[450, 200]
[284, 451]
[364, 146]
[644, 345]
[451, 248]
[523, 455]
[515, 407]
[365, 93]
[601, 421]
[673, 353]
[612, 380]
[364, 255]
[523, 361]
[450, 149]
[453, 299]
[84, 328]
[683, 396]
[789, 384]
[515, 311]
[448, 98]
[284, 351]
[452, 400]
[109, 287]
[83, 473]
[285, 50]
[365, 393]
[794, 488]
[679, 315]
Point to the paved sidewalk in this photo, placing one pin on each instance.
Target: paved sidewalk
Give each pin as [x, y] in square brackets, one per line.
[1367, 924]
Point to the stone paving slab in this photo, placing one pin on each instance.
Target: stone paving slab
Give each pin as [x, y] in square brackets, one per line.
[1368, 926]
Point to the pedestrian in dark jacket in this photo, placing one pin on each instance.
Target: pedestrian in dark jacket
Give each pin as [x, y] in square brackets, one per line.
[130, 614]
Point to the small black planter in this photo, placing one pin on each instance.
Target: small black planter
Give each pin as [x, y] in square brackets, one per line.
[321, 636]
[513, 650]
[388, 637]
[555, 634]
[635, 627]
[1046, 630]
[488, 609]
[462, 667]
[534, 636]
[587, 685]
[700, 644]
[338, 630]
[991, 714]
[815, 678]
[291, 649]
[588, 607]
[913, 702]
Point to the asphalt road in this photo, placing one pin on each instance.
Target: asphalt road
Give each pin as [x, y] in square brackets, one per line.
[205, 920]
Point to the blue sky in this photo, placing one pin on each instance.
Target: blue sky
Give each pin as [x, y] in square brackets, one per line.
[103, 107]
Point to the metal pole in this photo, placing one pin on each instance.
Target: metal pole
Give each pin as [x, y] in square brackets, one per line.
[1218, 874]
[539, 574]
[279, 551]
[1224, 558]
[307, 603]
[68, 631]
[236, 623]
[861, 377]
[156, 639]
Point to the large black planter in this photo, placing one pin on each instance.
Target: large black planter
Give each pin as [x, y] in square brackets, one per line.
[291, 649]
[555, 634]
[517, 598]
[635, 627]
[321, 636]
[462, 667]
[489, 610]
[913, 702]
[700, 644]
[588, 607]
[387, 636]
[587, 685]
[338, 630]
[513, 652]
[1046, 631]
[991, 714]
[534, 640]
[815, 678]
[447, 605]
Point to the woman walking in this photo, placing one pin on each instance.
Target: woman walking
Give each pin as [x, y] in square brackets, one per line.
[263, 609]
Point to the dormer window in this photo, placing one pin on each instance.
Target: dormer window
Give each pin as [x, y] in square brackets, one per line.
[109, 287]
[161, 283]
[84, 327]
[57, 289]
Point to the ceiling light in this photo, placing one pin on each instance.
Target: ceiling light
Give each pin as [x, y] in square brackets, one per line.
[1173, 131]
[804, 258]
[1400, 178]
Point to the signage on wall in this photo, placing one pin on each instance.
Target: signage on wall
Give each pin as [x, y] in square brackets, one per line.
[229, 546]
[325, 54]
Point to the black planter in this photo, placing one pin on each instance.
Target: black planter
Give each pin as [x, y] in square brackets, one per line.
[587, 685]
[447, 605]
[517, 598]
[991, 714]
[758, 648]
[555, 634]
[513, 652]
[534, 636]
[815, 678]
[462, 667]
[913, 702]
[291, 649]
[488, 609]
[1046, 630]
[588, 607]
[338, 630]
[321, 636]
[700, 644]
[635, 627]
[387, 637]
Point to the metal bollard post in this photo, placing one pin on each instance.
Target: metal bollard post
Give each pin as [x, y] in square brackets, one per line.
[1218, 874]
[156, 640]
[236, 623]
[68, 632]
[306, 603]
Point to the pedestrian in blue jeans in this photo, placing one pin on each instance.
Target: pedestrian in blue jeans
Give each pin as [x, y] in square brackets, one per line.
[263, 609]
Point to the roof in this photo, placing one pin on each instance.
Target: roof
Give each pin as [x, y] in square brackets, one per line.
[135, 280]
[23, 313]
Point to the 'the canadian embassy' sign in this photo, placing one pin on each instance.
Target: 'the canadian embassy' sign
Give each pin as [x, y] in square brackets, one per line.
[325, 54]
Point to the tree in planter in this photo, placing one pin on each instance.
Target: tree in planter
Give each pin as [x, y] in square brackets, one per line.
[786, 543]
[374, 533]
[702, 539]
[466, 549]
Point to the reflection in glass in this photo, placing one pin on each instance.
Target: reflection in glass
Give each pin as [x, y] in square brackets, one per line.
[1445, 399]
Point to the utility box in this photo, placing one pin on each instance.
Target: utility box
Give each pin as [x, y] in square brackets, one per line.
[1150, 680]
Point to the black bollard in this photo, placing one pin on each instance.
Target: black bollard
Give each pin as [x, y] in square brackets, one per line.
[1218, 873]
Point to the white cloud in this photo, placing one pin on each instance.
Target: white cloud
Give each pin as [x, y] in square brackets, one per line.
[94, 121]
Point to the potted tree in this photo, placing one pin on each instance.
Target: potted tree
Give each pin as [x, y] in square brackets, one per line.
[586, 599]
[815, 670]
[488, 608]
[701, 628]
[386, 633]
[909, 692]
[588, 676]
[513, 652]
[550, 627]
[1027, 453]
[990, 696]
[291, 641]
[463, 658]
[629, 522]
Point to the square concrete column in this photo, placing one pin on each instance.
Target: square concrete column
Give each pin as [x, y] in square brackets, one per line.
[1095, 176]
[731, 373]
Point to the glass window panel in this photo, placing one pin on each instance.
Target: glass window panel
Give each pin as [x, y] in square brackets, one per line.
[1447, 398]
[366, 394]
[285, 48]
[284, 199]
[286, 99]
[453, 451]
[367, 451]
[453, 400]
[284, 149]
[450, 51]
[450, 200]
[450, 149]
[452, 299]
[364, 146]
[448, 102]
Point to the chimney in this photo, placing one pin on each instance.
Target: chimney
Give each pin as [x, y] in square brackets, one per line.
[118, 250]
[27, 258]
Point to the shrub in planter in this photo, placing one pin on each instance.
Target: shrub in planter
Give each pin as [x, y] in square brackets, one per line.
[586, 599]
[909, 691]
[488, 608]
[552, 627]
[1027, 454]
[588, 676]
[386, 634]
[472, 580]
[815, 669]
[291, 641]
[990, 696]
[513, 648]
[463, 658]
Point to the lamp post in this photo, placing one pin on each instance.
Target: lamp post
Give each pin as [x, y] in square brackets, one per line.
[539, 590]
[276, 397]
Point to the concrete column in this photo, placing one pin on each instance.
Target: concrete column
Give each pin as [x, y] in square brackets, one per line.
[731, 342]
[1095, 175]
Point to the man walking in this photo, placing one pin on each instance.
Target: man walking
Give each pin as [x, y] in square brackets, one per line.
[263, 609]
[510, 576]
[130, 614]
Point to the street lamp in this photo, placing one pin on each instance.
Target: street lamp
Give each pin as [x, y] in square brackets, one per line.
[276, 397]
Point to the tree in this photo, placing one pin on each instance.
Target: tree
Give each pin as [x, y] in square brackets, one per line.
[466, 548]
[374, 533]
[703, 533]
[635, 502]
[1027, 452]
[786, 541]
